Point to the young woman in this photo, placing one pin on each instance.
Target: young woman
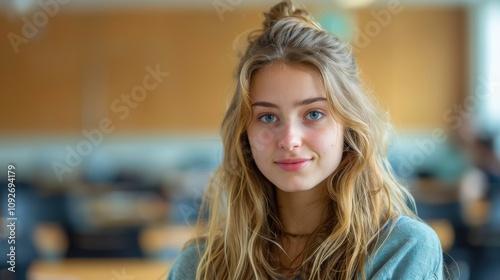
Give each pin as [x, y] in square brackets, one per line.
[304, 190]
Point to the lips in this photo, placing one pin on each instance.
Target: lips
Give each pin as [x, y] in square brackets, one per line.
[293, 164]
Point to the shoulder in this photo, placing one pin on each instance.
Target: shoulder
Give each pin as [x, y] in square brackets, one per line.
[409, 249]
[185, 264]
[410, 230]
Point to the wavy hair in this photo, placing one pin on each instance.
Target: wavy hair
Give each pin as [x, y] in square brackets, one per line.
[237, 238]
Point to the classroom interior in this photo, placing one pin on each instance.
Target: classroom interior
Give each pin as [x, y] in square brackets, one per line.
[111, 110]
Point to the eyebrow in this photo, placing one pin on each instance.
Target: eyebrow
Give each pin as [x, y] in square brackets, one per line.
[295, 104]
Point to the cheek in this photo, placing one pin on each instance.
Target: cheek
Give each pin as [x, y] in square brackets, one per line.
[329, 142]
[260, 139]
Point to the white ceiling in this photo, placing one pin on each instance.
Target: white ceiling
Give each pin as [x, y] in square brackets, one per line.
[27, 6]
[247, 2]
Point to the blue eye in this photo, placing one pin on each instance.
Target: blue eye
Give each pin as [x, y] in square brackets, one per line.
[267, 118]
[314, 115]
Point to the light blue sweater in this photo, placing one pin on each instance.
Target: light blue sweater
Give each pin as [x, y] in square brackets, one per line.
[412, 251]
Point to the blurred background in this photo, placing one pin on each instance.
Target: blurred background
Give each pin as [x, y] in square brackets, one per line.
[110, 115]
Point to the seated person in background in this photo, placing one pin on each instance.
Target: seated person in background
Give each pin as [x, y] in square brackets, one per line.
[480, 184]
[304, 190]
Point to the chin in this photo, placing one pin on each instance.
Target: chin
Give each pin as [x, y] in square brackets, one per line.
[294, 187]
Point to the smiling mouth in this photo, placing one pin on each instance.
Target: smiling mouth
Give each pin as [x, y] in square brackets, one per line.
[293, 164]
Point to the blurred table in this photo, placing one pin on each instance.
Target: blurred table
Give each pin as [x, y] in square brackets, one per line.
[98, 269]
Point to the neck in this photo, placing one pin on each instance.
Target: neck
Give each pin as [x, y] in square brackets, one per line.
[302, 212]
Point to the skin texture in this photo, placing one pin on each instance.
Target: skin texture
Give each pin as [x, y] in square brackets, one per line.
[295, 141]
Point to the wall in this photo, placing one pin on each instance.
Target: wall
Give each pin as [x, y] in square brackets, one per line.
[69, 76]
[417, 64]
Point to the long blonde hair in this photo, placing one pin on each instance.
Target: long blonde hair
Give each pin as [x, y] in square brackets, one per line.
[236, 240]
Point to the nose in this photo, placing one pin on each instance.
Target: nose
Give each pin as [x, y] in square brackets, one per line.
[291, 137]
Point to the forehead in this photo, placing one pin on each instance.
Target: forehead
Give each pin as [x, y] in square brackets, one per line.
[280, 82]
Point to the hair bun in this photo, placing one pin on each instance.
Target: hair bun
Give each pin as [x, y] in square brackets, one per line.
[284, 9]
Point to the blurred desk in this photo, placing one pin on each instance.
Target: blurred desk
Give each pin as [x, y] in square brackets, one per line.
[98, 269]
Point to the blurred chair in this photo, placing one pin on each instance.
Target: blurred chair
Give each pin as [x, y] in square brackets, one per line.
[439, 205]
[164, 242]
[51, 241]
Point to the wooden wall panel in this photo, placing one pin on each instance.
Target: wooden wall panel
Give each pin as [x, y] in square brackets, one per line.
[417, 64]
[40, 85]
[68, 76]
